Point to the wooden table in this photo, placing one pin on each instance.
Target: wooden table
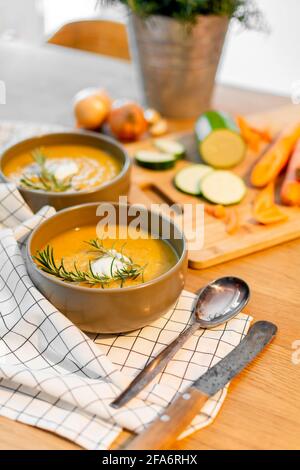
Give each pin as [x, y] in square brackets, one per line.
[262, 408]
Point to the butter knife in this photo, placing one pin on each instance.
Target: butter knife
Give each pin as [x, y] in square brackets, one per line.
[162, 433]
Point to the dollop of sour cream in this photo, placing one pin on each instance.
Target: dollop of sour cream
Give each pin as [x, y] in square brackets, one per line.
[63, 170]
[110, 264]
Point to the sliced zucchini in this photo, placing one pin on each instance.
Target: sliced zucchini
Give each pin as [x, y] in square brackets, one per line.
[155, 160]
[223, 187]
[212, 120]
[188, 180]
[219, 140]
[170, 146]
[222, 149]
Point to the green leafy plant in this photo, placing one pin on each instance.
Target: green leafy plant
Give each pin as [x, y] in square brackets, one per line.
[187, 11]
[44, 180]
[46, 261]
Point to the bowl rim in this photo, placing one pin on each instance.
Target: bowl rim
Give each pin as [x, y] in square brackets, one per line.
[101, 137]
[69, 285]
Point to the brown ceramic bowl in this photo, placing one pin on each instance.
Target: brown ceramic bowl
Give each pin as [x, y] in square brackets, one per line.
[107, 310]
[109, 191]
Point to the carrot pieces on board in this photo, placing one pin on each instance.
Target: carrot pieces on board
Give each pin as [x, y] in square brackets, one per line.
[252, 135]
[218, 211]
[229, 216]
[265, 210]
[275, 158]
[232, 221]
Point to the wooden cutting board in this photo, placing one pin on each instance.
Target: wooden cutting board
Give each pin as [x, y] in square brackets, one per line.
[157, 186]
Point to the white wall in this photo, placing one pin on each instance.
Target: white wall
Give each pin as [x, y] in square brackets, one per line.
[266, 61]
[21, 20]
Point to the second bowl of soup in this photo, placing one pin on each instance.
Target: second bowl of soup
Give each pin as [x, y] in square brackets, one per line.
[68, 168]
[108, 280]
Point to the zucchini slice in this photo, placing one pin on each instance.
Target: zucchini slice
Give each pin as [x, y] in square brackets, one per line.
[188, 180]
[220, 143]
[223, 187]
[170, 146]
[155, 160]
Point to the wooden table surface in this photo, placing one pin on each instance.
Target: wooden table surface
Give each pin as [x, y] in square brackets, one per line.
[262, 408]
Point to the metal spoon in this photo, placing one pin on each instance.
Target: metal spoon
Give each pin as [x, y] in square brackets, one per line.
[217, 302]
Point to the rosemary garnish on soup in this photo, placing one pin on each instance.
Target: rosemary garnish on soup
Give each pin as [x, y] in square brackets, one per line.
[63, 167]
[45, 179]
[109, 266]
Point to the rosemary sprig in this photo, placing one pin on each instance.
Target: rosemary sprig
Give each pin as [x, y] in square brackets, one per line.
[129, 270]
[97, 244]
[45, 180]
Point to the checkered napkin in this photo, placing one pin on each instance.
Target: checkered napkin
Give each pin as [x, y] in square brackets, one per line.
[55, 377]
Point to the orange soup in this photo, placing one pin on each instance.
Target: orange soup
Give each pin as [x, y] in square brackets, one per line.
[116, 262]
[62, 168]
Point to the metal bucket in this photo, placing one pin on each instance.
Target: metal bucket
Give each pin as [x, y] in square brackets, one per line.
[177, 64]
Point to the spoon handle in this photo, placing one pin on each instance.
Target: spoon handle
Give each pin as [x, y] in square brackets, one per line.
[154, 367]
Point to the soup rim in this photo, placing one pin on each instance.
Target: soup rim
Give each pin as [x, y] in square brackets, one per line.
[125, 166]
[66, 284]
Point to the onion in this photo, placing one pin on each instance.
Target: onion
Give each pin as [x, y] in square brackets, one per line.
[91, 108]
[126, 120]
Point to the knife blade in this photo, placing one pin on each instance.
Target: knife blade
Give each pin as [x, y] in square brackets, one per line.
[162, 433]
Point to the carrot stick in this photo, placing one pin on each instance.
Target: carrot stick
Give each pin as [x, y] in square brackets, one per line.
[252, 135]
[251, 138]
[290, 190]
[275, 158]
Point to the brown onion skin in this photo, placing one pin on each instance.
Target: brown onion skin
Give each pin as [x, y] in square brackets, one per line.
[126, 120]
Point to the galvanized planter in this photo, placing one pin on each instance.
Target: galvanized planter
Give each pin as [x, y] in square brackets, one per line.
[177, 65]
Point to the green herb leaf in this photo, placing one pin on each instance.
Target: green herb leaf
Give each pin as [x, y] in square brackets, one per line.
[46, 261]
[44, 180]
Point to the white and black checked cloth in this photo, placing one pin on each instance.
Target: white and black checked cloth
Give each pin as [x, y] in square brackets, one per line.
[55, 377]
